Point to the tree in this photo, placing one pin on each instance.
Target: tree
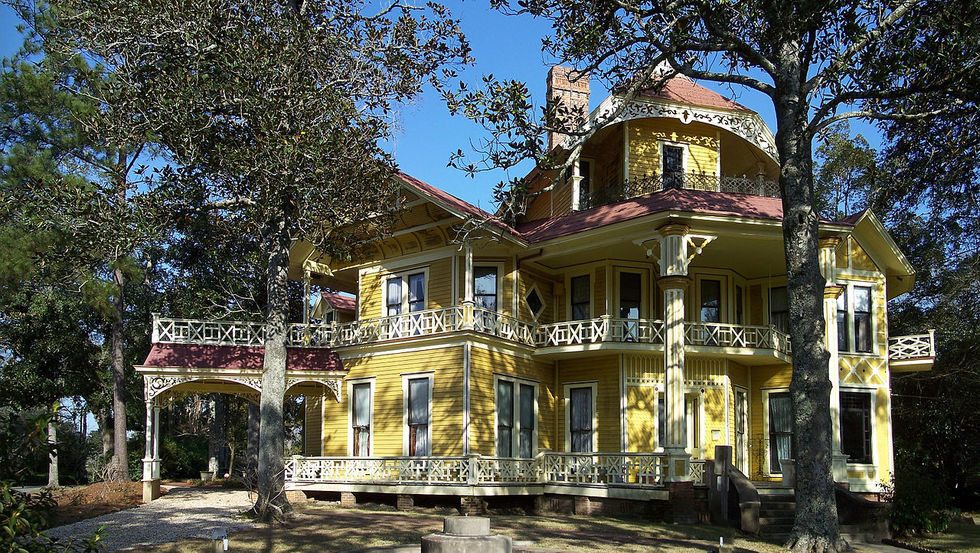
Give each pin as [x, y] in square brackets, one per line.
[274, 112]
[818, 63]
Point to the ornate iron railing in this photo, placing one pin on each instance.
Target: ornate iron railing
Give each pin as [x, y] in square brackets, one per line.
[916, 346]
[689, 181]
[618, 468]
[600, 329]
[736, 336]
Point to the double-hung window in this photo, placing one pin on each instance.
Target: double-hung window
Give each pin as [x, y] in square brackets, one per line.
[360, 397]
[779, 308]
[515, 418]
[405, 293]
[485, 288]
[862, 319]
[581, 416]
[855, 426]
[780, 430]
[710, 301]
[393, 297]
[672, 166]
[418, 408]
[581, 295]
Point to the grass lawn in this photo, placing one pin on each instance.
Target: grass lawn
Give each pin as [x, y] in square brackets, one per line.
[322, 527]
[960, 538]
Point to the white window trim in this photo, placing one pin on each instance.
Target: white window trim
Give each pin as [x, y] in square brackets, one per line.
[499, 266]
[684, 158]
[568, 287]
[765, 427]
[350, 414]
[723, 282]
[644, 287]
[748, 425]
[516, 436]
[405, 378]
[567, 400]
[873, 392]
[851, 334]
[405, 294]
[544, 302]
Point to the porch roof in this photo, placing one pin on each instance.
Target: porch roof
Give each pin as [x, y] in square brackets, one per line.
[247, 358]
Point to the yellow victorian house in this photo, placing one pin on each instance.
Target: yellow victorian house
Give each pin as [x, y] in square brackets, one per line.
[599, 349]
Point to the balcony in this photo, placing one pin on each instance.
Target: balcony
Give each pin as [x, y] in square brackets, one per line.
[687, 181]
[549, 472]
[912, 353]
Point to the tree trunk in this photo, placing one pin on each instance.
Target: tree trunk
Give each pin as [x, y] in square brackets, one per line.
[252, 445]
[271, 503]
[120, 469]
[104, 420]
[816, 527]
[216, 434]
[53, 454]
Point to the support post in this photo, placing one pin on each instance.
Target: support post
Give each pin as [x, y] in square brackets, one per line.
[156, 442]
[468, 315]
[832, 291]
[576, 186]
[151, 485]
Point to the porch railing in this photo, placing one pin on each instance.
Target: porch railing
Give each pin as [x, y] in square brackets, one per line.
[619, 468]
[916, 346]
[736, 336]
[601, 329]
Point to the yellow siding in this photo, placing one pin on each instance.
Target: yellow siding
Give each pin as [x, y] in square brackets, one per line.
[388, 408]
[739, 376]
[756, 308]
[768, 377]
[599, 291]
[641, 406]
[714, 420]
[484, 365]
[546, 289]
[313, 425]
[646, 136]
[604, 371]
[859, 258]
[439, 287]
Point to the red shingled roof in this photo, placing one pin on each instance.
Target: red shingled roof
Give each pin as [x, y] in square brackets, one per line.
[454, 203]
[338, 301]
[683, 90]
[694, 201]
[238, 357]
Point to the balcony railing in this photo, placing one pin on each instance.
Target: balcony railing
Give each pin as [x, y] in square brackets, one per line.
[689, 181]
[601, 329]
[913, 347]
[627, 469]
[736, 336]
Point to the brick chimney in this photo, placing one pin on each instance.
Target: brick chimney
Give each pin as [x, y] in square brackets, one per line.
[571, 89]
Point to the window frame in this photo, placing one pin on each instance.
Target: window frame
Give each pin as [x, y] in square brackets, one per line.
[685, 158]
[852, 297]
[871, 393]
[722, 282]
[370, 381]
[766, 425]
[567, 401]
[516, 428]
[544, 304]
[499, 267]
[406, 379]
[642, 310]
[569, 303]
[404, 275]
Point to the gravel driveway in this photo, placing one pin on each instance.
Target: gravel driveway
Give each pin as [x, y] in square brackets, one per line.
[182, 513]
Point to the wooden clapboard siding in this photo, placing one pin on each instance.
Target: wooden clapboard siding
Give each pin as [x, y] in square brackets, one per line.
[738, 376]
[604, 371]
[484, 365]
[646, 135]
[599, 291]
[714, 420]
[312, 425]
[546, 290]
[641, 407]
[388, 404]
[438, 287]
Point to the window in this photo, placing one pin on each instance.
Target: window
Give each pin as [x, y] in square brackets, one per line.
[739, 305]
[485, 287]
[779, 308]
[419, 397]
[661, 421]
[534, 302]
[673, 166]
[780, 430]
[710, 301]
[581, 298]
[843, 333]
[400, 298]
[629, 295]
[505, 418]
[585, 184]
[692, 410]
[862, 319]
[360, 397]
[515, 418]
[580, 419]
[855, 426]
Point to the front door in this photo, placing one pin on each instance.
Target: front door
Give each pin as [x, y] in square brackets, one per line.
[741, 430]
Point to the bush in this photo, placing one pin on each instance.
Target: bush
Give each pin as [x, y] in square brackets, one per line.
[183, 456]
[920, 504]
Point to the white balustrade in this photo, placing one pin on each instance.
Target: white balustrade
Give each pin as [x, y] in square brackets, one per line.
[698, 469]
[916, 346]
[503, 326]
[388, 470]
[736, 336]
[644, 469]
[601, 329]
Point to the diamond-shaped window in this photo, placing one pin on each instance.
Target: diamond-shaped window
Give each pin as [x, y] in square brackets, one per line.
[534, 302]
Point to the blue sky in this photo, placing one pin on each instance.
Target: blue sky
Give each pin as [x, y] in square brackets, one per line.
[507, 46]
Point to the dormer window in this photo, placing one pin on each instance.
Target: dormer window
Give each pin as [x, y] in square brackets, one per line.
[672, 166]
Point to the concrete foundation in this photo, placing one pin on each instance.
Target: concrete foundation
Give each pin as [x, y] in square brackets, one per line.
[466, 535]
[151, 490]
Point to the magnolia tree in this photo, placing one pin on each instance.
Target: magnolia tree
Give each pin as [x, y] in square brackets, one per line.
[818, 63]
[273, 114]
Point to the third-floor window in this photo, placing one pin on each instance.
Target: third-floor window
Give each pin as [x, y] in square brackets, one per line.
[485, 287]
[581, 295]
[673, 166]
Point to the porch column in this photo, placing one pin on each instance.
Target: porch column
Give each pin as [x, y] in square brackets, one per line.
[151, 485]
[576, 186]
[674, 282]
[156, 442]
[828, 266]
[468, 285]
[307, 285]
